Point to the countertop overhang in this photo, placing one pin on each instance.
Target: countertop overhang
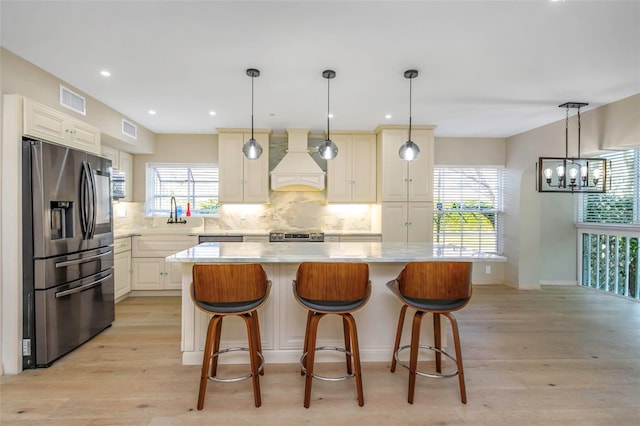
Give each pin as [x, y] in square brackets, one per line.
[296, 252]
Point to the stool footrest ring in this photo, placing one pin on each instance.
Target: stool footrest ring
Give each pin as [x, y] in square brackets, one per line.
[326, 378]
[239, 378]
[421, 373]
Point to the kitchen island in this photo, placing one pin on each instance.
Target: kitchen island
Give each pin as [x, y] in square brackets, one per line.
[282, 320]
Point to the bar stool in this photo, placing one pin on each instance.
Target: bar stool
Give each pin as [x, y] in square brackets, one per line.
[331, 288]
[436, 287]
[223, 290]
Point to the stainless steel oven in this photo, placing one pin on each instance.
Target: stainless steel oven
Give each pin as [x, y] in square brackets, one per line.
[300, 236]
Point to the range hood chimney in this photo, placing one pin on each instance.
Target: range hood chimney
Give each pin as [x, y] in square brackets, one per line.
[297, 171]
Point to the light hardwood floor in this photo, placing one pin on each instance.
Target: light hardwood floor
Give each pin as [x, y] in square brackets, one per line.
[557, 356]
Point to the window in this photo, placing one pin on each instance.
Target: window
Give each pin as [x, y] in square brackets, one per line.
[619, 205]
[468, 207]
[610, 235]
[195, 184]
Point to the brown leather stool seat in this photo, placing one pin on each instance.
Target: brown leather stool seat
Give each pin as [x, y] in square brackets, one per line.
[331, 288]
[230, 289]
[438, 287]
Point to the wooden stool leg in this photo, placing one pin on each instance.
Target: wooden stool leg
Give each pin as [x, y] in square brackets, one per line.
[415, 347]
[311, 352]
[437, 339]
[403, 311]
[206, 359]
[356, 356]
[216, 347]
[347, 343]
[253, 357]
[256, 322]
[456, 342]
[305, 346]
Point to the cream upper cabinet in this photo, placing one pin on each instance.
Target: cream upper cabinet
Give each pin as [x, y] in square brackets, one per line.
[351, 176]
[242, 180]
[44, 122]
[123, 162]
[407, 222]
[406, 180]
[112, 154]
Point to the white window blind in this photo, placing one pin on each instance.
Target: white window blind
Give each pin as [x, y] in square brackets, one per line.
[619, 205]
[468, 207]
[193, 184]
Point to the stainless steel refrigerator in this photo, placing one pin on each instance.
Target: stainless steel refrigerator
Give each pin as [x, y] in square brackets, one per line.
[68, 294]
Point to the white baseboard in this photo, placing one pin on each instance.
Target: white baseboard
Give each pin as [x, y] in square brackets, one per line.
[559, 282]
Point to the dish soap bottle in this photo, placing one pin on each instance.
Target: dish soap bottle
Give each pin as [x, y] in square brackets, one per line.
[188, 209]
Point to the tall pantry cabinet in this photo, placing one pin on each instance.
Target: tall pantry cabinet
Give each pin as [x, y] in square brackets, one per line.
[406, 187]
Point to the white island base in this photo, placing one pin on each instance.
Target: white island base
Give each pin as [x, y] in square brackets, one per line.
[283, 320]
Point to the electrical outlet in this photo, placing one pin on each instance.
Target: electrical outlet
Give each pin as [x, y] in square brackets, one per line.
[26, 347]
[487, 269]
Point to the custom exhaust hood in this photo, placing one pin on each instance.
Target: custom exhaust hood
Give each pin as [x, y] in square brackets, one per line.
[297, 171]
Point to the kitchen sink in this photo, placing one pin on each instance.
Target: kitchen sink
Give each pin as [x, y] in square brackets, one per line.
[159, 225]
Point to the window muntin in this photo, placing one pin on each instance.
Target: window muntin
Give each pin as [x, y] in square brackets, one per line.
[196, 184]
[468, 207]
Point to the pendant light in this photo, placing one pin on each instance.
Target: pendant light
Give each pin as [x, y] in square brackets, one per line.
[328, 150]
[409, 151]
[252, 149]
[572, 174]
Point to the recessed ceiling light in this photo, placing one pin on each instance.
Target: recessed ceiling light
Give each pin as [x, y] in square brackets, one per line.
[105, 73]
[388, 116]
[212, 113]
[152, 112]
[330, 115]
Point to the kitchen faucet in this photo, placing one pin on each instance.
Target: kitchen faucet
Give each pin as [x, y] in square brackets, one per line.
[173, 215]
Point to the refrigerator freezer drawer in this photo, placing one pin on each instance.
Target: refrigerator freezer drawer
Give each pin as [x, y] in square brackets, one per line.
[68, 317]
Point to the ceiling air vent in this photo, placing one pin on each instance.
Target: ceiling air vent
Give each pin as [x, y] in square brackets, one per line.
[129, 129]
[73, 101]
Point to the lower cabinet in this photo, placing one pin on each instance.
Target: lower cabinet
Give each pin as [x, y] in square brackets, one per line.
[122, 268]
[156, 274]
[150, 270]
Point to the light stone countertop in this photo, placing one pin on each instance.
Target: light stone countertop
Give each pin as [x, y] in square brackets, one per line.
[295, 252]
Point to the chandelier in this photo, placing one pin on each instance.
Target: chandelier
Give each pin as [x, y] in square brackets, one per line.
[571, 174]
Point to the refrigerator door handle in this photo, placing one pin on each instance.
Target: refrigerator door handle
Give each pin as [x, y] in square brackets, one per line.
[84, 213]
[83, 260]
[94, 200]
[82, 287]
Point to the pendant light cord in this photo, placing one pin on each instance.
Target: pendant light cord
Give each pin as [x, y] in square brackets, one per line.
[328, 110]
[410, 87]
[578, 132]
[566, 134]
[252, 78]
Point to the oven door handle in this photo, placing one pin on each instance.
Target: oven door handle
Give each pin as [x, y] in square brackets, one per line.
[83, 260]
[82, 287]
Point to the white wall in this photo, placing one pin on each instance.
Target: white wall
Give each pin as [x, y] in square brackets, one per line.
[174, 148]
[470, 152]
[24, 78]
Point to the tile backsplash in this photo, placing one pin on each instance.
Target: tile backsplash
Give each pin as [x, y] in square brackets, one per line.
[286, 210]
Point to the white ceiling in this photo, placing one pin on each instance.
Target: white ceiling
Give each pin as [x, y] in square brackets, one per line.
[487, 68]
